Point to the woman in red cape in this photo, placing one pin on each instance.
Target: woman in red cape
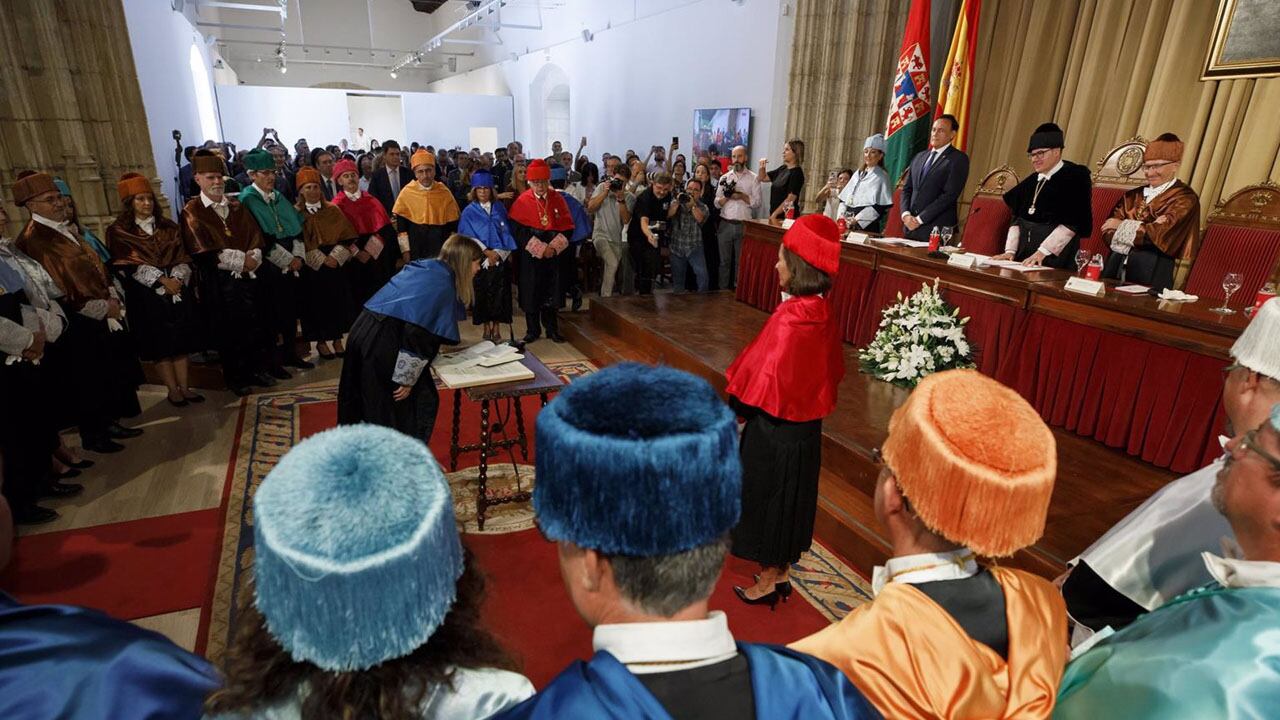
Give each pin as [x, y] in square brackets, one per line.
[783, 384]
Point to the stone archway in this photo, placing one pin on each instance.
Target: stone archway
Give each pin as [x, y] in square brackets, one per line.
[549, 111]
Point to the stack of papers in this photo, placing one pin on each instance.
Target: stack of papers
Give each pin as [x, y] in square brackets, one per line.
[1133, 289]
[904, 242]
[481, 364]
[1012, 265]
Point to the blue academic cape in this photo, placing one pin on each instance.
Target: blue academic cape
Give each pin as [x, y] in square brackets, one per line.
[581, 220]
[1210, 653]
[786, 683]
[422, 293]
[489, 228]
[59, 661]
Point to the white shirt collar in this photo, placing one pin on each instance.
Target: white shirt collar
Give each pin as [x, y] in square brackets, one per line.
[655, 647]
[940, 150]
[314, 208]
[1149, 192]
[487, 206]
[1052, 170]
[147, 225]
[1238, 573]
[61, 227]
[209, 202]
[925, 567]
[353, 196]
[265, 195]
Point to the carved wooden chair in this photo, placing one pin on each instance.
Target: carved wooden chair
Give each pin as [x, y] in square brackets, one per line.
[987, 224]
[1242, 235]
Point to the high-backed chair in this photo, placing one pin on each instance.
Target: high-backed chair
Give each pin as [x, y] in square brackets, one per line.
[987, 224]
[893, 224]
[1243, 235]
[1117, 173]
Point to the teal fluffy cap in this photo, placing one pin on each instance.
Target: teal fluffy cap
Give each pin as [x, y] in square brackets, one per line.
[357, 549]
[637, 460]
[259, 159]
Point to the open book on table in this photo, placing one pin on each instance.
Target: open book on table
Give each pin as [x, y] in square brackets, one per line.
[481, 364]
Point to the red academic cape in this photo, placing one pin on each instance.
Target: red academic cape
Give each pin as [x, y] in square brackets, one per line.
[528, 211]
[366, 214]
[792, 368]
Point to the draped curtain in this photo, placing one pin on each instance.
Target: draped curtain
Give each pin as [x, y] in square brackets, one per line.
[1105, 70]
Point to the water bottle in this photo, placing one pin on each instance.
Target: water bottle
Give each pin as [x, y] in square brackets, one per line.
[935, 239]
[791, 210]
[1267, 292]
[1094, 270]
[842, 226]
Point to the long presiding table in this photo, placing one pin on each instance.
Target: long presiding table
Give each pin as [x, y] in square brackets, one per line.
[1133, 372]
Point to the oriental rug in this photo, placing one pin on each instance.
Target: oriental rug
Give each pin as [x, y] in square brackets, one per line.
[525, 603]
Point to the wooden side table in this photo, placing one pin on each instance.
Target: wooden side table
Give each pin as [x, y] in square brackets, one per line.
[544, 383]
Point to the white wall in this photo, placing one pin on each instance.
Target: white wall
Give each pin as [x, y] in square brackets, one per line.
[321, 115]
[161, 40]
[638, 84]
[381, 116]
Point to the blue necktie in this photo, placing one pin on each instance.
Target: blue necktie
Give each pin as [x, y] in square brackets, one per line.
[928, 163]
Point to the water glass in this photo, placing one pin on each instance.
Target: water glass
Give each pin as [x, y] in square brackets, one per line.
[1231, 282]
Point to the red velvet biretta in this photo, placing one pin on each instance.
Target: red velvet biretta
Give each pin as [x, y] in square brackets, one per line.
[816, 239]
[343, 166]
[538, 170]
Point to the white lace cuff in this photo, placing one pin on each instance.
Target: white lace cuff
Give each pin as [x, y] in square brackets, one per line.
[1057, 240]
[14, 338]
[96, 309]
[403, 242]
[256, 254]
[147, 275]
[341, 254]
[181, 272]
[314, 259]
[299, 248]
[54, 323]
[1011, 239]
[408, 368]
[280, 257]
[1122, 239]
[231, 260]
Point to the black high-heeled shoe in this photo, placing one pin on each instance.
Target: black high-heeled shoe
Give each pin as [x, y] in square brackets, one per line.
[770, 598]
[784, 588]
[82, 465]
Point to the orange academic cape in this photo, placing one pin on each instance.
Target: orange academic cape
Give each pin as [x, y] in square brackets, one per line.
[912, 660]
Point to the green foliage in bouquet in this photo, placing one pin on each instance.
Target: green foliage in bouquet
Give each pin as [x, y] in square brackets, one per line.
[918, 336]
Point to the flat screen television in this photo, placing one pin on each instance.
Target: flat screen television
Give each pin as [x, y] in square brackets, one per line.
[723, 127]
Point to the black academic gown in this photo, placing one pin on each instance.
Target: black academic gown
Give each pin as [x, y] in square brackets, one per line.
[539, 278]
[1065, 199]
[27, 433]
[425, 241]
[366, 388]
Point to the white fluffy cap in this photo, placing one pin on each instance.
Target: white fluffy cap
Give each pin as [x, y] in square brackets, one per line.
[1258, 347]
[875, 142]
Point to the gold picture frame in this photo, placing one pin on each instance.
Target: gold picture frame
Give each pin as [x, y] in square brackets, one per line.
[1245, 43]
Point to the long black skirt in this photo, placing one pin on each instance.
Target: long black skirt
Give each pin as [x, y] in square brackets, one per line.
[780, 465]
[365, 389]
[162, 328]
[492, 296]
[100, 375]
[326, 310]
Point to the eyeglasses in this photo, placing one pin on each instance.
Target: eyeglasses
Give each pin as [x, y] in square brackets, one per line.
[1250, 442]
[1038, 154]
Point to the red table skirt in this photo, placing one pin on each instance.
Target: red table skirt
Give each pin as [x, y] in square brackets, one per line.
[991, 328]
[757, 278]
[1153, 401]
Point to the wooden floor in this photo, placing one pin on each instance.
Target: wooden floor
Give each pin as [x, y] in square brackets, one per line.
[702, 333]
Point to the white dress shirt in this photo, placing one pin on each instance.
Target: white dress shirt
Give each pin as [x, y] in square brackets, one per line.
[735, 209]
[220, 207]
[314, 208]
[62, 227]
[657, 647]
[393, 174]
[147, 225]
[354, 196]
[924, 568]
[1148, 192]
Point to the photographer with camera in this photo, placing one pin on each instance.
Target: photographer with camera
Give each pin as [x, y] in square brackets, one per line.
[611, 207]
[686, 215]
[739, 192]
[648, 230]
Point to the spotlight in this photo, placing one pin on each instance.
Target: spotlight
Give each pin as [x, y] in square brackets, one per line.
[283, 69]
[393, 75]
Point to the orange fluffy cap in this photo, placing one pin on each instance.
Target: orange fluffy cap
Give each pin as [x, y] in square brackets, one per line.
[975, 460]
[132, 184]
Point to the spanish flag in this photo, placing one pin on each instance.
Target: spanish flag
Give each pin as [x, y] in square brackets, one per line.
[957, 80]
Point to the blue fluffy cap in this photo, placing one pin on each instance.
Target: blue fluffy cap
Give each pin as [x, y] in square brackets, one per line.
[480, 178]
[637, 460]
[357, 548]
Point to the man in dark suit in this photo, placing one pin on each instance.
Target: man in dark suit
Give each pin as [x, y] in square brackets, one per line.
[934, 182]
[322, 160]
[386, 182]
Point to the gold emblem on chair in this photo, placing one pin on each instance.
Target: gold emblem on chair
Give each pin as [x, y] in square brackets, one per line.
[1129, 161]
[1260, 199]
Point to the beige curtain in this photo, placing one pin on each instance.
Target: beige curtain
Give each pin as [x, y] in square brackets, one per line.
[1105, 70]
[844, 54]
[71, 103]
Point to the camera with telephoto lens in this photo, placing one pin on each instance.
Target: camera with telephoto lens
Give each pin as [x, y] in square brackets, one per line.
[729, 186]
[683, 197]
[615, 184]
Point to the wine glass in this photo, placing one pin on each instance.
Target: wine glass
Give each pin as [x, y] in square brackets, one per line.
[1082, 259]
[1230, 283]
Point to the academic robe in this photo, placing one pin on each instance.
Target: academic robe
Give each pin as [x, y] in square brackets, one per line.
[1065, 199]
[569, 283]
[370, 220]
[101, 367]
[163, 327]
[784, 684]
[393, 342]
[534, 223]
[326, 310]
[783, 384]
[243, 337]
[281, 227]
[59, 661]
[913, 660]
[1211, 653]
[492, 284]
[428, 216]
[1156, 247]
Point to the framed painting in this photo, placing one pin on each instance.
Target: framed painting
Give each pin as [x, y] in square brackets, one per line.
[1245, 41]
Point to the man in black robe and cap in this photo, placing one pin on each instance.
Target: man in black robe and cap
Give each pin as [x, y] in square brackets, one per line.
[1052, 208]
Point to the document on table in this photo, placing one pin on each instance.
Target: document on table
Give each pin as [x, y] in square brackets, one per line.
[1013, 265]
[904, 242]
[484, 351]
[457, 377]
[1133, 289]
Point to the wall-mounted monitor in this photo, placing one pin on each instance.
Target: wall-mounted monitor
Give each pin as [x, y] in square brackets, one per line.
[723, 127]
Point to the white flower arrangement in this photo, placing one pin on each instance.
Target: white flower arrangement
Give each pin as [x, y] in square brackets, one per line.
[920, 335]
